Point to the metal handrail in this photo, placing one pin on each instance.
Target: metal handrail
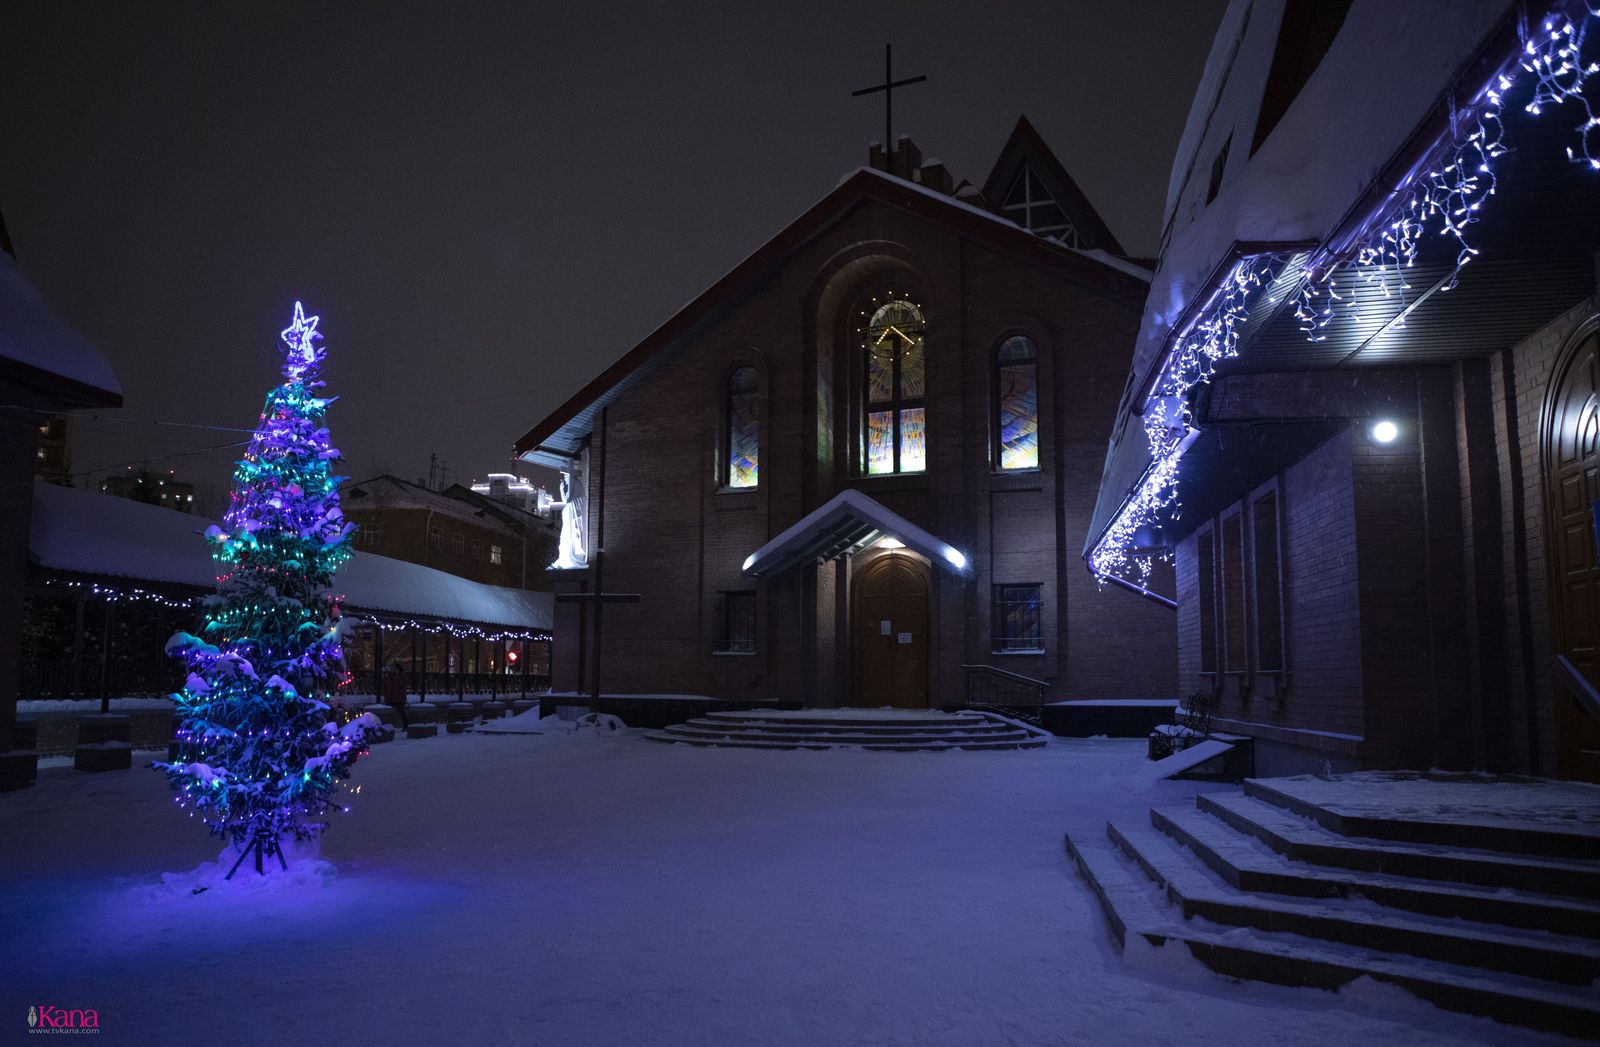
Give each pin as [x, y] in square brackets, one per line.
[1587, 697]
[1000, 689]
[1008, 674]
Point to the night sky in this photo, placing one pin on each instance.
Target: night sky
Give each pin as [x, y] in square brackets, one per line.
[488, 203]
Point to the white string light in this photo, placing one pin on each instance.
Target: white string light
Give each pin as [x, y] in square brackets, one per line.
[1445, 200]
[111, 594]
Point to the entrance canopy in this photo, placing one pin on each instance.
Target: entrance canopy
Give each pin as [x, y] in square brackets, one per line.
[846, 524]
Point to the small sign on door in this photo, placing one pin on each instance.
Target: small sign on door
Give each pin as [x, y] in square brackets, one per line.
[884, 628]
[905, 637]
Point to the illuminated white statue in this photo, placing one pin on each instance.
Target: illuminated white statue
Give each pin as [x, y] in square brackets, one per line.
[574, 524]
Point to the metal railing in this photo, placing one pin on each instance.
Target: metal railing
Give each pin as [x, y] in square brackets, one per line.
[1583, 692]
[1002, 689]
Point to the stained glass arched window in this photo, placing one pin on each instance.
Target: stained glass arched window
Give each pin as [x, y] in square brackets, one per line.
[743, 436]
[1016, 424]
[894, 436]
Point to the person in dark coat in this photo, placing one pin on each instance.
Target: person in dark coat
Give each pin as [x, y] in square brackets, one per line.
[394, 692]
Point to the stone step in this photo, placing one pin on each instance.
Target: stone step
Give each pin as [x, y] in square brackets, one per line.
[851, 738]
[1197, 892]
[976, 726]
[1134, 908]
[1248, 865]
[822, 719]
[1303, 840]
[1458, 830]
[1022, 741]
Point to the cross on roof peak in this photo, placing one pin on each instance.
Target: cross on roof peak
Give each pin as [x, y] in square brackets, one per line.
[887, 87]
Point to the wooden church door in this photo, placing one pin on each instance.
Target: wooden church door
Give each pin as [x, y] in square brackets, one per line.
[1572, 464]
[891, 633]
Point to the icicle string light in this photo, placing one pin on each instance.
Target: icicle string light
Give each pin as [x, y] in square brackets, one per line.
[1445, 200]
[1211, 338]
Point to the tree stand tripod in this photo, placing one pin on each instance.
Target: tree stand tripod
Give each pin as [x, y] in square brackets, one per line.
[263, 844]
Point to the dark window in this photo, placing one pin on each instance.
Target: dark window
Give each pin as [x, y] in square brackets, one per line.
[1268, 584]
[458, 543]
[1029, 204]
[1206, 582]
[742, 432]
[1016, 619]
[370, 537]
[1304, 36]
[477, 549]
[436, 539]
[1219, 167]
[737, 627]
[1231, 557]
[1016, 423]
[894, 436]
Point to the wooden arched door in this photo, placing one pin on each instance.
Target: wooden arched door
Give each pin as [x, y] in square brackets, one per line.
[1572, 491]
[890, 630]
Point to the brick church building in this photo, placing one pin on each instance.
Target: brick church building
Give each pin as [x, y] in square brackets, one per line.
[848, 473]
[1374, 380]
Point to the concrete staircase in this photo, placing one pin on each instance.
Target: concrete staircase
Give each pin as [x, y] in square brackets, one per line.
[1475, 916]
[878, 729]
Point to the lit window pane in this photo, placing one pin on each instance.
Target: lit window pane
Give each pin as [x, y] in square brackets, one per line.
[744, 445]
[1019, 417]
[880, 442]
[744, 429]
[912, 383]
[913, 440]
[1016, 349]
[880, 372]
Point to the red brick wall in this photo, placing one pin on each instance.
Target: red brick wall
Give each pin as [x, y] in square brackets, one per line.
[673, 536]
[1414, 572]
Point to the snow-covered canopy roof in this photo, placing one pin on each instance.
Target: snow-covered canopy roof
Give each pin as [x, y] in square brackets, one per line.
[847, 523]
[1383, 75]
[96, 534]
[36, 337]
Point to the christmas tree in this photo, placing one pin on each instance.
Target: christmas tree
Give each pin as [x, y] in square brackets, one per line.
[261, 759]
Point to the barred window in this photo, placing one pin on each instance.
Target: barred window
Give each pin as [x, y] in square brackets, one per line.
[1017, 625]
[737, 625]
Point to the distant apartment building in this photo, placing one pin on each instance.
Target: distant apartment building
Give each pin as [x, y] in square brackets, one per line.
[53, 456]
[455, 530]
[142, 485]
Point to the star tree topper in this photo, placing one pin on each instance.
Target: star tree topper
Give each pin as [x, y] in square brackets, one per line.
[301, 353]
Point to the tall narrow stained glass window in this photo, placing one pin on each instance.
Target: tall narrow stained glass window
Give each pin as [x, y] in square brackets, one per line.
[744, 428]
[1016, 374]
[894, 436]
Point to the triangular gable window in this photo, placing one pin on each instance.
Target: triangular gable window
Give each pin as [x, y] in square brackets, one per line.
[1030, 205]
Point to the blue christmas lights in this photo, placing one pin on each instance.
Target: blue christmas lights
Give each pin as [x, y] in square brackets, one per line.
[259, 755]
[1446, 200]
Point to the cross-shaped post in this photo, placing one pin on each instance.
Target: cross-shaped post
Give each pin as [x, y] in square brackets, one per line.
[887, 87]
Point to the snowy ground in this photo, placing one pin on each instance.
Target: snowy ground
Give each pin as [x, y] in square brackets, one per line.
[547, 889]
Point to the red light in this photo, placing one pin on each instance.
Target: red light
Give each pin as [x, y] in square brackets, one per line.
[511, 656]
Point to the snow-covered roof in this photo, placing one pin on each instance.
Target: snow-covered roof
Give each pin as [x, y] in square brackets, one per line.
[1388, 66]
[33, 333]
[556, 440]
[98, 534]
[845, 523]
